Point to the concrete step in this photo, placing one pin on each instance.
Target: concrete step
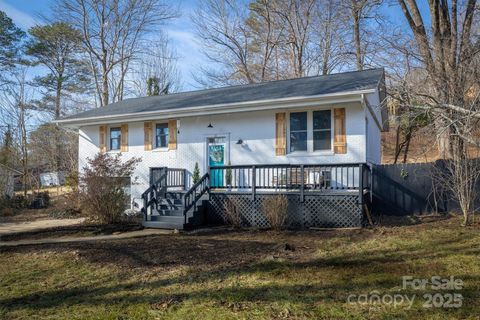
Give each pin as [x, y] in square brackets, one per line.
[163, 225]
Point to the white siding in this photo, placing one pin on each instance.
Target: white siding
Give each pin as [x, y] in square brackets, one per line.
[256, 129]
[374, 138]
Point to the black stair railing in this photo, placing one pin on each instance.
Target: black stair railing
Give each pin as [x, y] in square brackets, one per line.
[191, 197]
[153, 194]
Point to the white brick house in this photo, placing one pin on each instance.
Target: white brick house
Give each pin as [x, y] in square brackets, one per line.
[334, 119]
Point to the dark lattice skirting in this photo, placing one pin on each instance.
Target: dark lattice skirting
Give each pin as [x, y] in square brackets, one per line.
[328, 211]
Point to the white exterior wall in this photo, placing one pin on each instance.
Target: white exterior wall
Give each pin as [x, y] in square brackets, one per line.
[374, 134]
[256, 129]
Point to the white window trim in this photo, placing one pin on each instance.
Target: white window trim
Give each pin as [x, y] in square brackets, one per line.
[310, 151]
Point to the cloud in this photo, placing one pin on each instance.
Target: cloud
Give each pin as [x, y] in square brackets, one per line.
[20, 18]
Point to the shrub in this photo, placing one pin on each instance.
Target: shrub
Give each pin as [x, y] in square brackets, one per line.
[232, 213]
[275, 209]
[66, 206]
[102, 195]
[196, 174]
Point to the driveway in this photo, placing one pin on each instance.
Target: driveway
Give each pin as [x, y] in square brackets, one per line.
[14, 227]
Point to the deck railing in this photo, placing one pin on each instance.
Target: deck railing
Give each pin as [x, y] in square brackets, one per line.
[172, 177]
[288, 177]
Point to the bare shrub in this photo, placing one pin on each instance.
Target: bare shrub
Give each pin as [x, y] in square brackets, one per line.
[275, 209]
[232, 213]
[102, 194]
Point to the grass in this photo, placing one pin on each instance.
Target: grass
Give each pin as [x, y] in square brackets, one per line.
[242, 275]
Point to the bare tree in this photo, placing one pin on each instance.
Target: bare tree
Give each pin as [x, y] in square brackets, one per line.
[112, 31]
[15, 111]
[330, 29]
[158, 61]
[226, 39]
[447, 52]
[297, 15]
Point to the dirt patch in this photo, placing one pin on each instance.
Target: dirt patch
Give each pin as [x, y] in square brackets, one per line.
[72, 231]
[26, 215]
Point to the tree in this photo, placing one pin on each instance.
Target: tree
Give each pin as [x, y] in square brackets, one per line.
[7, 149]
[102, 183]
[448, 54]
[15, 110]
[10, 41]
[58, 47]
[264, 41]
[297, 15]
[155, 71]
[196, 173]
[226, 39]
[330, 29]
[112, 32]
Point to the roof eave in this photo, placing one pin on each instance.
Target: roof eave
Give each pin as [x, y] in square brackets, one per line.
[255, 105]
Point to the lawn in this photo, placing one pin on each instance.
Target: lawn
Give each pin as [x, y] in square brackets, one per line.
[245, 274]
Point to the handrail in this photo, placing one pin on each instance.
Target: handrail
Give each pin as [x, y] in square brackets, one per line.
[293, 177]
[151, 194]
[188, 202]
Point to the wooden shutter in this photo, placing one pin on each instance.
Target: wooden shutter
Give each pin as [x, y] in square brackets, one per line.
[102, 139]
[124, 138]
[172, 134]
[148, 134]
[340, 138]
[280, 134]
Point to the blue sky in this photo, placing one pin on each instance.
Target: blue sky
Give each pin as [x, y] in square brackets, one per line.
[25, 14]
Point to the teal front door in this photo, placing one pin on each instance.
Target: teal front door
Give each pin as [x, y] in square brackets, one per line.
[216, 157]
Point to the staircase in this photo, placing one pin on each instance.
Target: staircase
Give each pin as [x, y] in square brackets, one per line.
[170, 213]
[175, 209]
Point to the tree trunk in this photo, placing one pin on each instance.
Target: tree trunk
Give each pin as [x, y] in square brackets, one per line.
[58, 146]
[356, 36]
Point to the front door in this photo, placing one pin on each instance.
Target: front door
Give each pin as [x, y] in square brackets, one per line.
[216, 158]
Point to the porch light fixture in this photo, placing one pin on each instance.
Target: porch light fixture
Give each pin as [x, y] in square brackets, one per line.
[240, 141]
[210, 125]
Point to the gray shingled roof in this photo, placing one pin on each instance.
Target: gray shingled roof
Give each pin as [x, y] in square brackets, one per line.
[300, 87]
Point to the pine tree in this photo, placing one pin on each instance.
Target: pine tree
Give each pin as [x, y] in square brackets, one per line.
[196, 173]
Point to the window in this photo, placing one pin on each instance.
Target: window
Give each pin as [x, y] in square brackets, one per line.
[115, 136]
[322, 130]
[310, 131]
[161, 135]
[298, 131]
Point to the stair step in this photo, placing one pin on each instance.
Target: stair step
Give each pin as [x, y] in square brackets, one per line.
[171, 212]
[177, 202]
[163, 225]
[169, 207]
[175, 219]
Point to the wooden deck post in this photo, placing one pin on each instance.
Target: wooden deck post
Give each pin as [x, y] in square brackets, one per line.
[360, 184]
[254, 182]
[302, 182]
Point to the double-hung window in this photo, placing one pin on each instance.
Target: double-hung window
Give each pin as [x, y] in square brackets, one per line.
[161, 135]
[322, 130]
[298, 131]
[310, 131]
[115, 138]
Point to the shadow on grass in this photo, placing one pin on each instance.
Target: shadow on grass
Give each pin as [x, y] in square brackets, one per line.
[219, 260]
